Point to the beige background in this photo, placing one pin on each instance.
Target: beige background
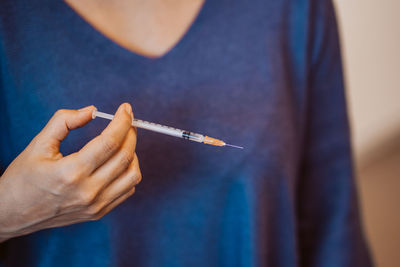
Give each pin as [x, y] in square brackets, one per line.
[370, 31]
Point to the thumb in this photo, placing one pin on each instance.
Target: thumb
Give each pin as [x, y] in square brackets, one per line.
[61, 123]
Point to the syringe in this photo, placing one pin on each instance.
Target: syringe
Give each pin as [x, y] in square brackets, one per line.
[155, 127]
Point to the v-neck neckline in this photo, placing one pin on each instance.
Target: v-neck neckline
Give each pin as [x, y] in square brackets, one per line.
[125, 52]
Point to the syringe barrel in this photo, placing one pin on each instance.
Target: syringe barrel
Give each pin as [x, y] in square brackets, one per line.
[155, 127]
[167, 130]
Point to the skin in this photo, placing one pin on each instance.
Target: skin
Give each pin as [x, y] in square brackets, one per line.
[149, 28]
[42, 188]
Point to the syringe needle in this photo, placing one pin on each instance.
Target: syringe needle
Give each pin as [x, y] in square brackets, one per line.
[240, 147]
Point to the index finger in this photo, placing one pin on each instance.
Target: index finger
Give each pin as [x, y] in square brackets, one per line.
[102, 147]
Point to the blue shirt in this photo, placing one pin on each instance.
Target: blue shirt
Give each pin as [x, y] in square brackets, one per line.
[262, 74]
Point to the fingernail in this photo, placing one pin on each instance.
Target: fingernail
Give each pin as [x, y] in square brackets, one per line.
[86, 108]
[128, 108]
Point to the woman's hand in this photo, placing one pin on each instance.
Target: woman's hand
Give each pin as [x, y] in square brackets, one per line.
[42, 189]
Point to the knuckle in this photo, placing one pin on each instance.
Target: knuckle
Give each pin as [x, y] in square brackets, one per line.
[97, 216]
[138, 178]
[93, 211]
[98, 212]
[126, 157]
[70, 178]
[110, 144]
[86, 198]
[60, 113]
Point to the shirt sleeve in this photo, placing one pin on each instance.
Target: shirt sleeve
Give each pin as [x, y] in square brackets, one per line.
[329, 228]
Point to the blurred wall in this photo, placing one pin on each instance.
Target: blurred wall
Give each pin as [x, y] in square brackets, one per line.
[370, 32]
